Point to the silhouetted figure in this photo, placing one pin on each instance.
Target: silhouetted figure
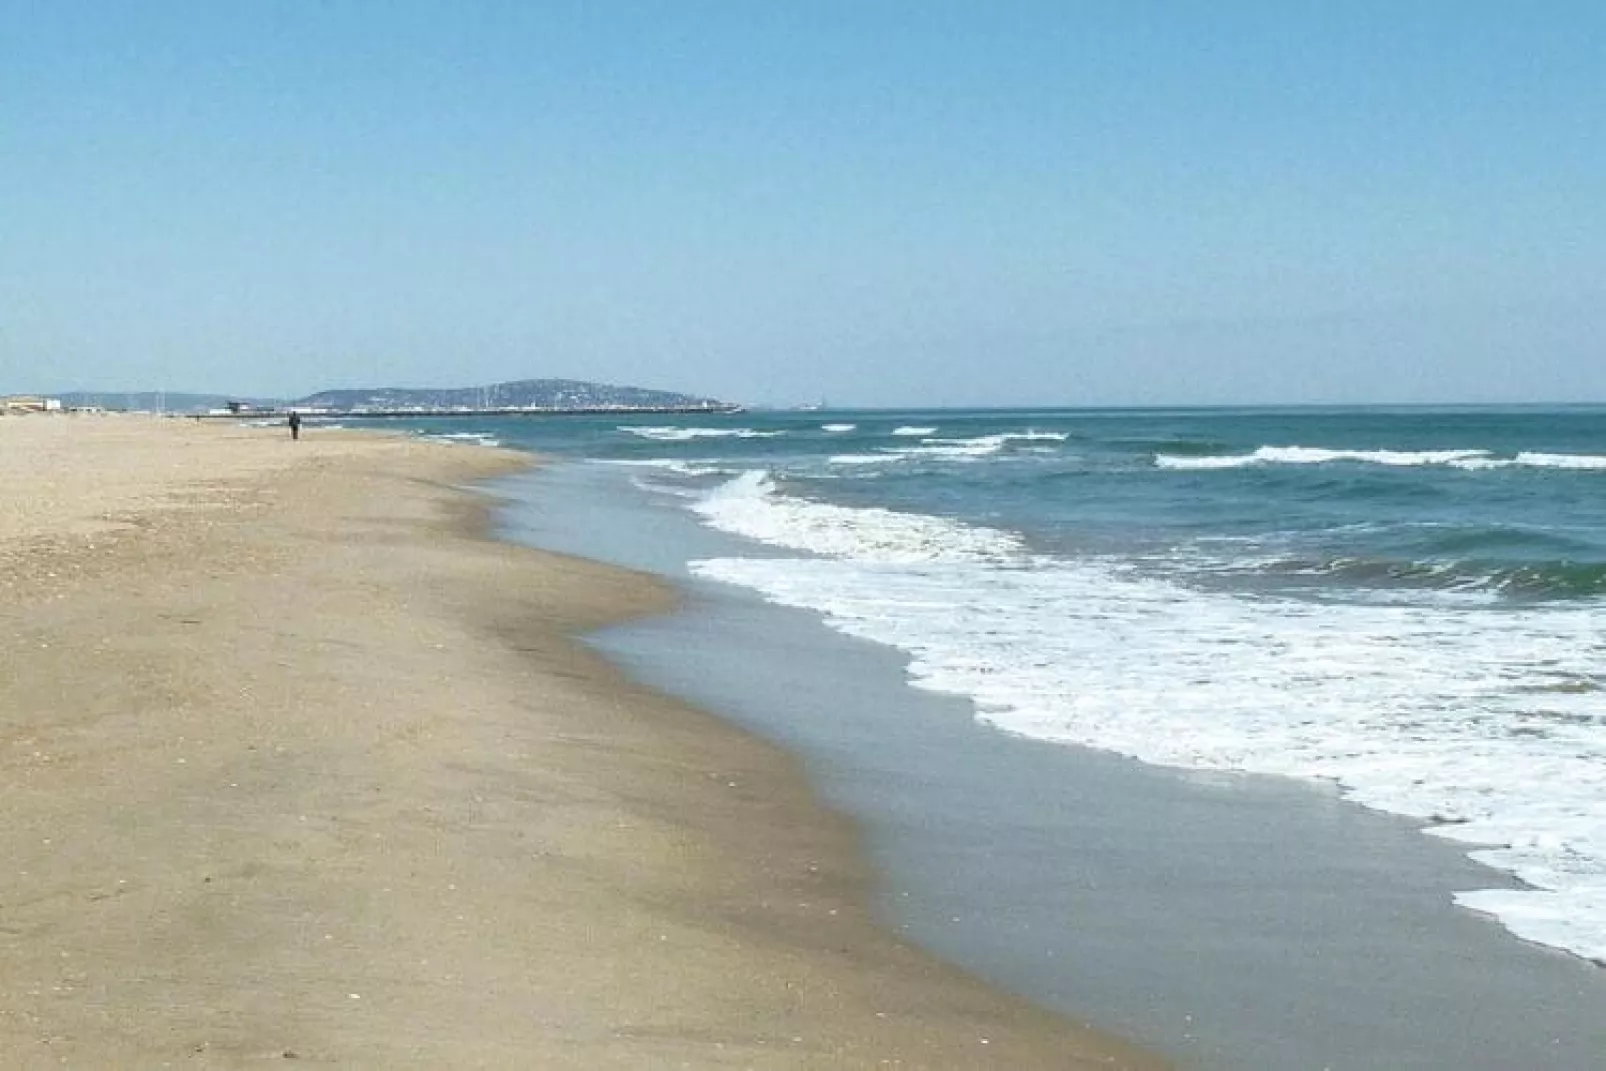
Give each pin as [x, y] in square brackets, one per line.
[295, 425]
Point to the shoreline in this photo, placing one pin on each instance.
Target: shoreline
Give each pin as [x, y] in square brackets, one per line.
[301, 762]
[1226, 921]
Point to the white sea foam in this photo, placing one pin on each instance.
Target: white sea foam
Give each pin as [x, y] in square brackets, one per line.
[952, 449]
[465, 438]
[1312, 455]
[1533, 460]
[673, 434]
[837, 429]
[1175, 461]
[910, 430]
[863, 459]
[974, 447]
[1471, 460]
[683, 467]
[748, 506]
[1489, 721]
[1561, 461]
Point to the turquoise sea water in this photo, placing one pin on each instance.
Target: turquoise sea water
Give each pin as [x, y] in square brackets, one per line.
[1404, 602]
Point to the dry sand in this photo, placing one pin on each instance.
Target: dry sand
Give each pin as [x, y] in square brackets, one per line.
[295, 764]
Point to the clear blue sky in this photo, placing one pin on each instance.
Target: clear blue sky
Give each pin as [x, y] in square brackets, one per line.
[925, 202]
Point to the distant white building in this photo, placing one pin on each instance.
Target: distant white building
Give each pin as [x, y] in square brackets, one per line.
[29, 403]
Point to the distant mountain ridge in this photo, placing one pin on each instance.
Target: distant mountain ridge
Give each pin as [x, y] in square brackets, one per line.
[515, 394]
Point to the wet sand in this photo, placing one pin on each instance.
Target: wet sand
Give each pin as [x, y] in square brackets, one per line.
[295, 763]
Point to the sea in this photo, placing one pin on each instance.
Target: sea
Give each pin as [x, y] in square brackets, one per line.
[1409, 603]
[1405, 604]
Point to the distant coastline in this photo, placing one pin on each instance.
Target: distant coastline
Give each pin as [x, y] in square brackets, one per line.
[497, 411]
[510, 398]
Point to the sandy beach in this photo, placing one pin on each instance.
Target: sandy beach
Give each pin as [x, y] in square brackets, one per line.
[296, 763]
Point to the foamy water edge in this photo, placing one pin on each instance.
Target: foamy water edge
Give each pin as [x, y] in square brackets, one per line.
[1066, 651]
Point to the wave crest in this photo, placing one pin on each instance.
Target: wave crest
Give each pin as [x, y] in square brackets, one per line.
[1471, 460]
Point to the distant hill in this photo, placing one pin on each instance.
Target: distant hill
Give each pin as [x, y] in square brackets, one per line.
[518, 394]
[157, 401]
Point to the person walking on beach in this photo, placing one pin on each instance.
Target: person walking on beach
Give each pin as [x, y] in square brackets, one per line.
[295, 425]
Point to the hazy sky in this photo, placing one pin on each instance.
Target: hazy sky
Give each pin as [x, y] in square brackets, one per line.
[774, 201]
